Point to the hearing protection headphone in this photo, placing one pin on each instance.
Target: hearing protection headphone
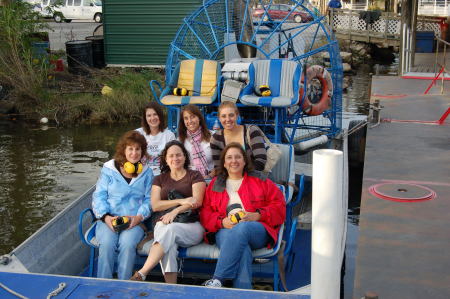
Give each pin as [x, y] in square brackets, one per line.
[236, 214]
[180, 91]
[132, 168]
[264, 90]
[237, 217]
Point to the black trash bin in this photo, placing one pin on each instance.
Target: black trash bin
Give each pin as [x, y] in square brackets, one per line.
[79, 56]
[98, 51]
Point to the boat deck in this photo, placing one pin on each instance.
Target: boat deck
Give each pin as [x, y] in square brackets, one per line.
[40, 285]
[404, 238]
[425, 65]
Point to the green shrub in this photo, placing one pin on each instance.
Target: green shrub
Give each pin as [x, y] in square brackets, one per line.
[19, 68]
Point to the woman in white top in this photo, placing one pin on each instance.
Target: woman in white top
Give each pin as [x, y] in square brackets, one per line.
[155, 131]
[194, 134]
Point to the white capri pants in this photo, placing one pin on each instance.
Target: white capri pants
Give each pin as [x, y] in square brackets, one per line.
[175, 234]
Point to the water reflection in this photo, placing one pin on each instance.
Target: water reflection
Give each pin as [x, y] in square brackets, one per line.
[356, 100]
[43, 170]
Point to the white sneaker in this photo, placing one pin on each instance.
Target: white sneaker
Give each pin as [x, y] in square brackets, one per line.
[213, 283]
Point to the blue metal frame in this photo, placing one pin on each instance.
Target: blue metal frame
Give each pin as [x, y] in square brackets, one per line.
[83, 239]
[200, 20]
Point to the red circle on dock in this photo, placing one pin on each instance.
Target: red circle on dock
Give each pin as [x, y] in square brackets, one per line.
[402, 192]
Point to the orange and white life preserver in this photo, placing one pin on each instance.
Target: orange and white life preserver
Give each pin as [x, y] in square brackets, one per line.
[319, 72]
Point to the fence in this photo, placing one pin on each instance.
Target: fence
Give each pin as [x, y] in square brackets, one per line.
[369, 26]
[434, 7]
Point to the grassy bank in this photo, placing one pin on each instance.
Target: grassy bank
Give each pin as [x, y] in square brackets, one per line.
[36, 90]
[78, 99]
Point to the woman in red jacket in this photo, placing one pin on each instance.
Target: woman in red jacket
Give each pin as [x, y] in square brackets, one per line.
[241, 212]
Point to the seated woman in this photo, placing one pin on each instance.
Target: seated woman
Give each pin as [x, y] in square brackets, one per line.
[194, 134]
[232, 132]
[169, 234]
[123, 189]
[262, 211]
[155, 131]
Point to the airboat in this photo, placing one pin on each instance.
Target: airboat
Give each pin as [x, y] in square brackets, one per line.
[224, 51]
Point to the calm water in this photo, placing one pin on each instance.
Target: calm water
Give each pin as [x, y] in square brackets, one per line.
[44, 170]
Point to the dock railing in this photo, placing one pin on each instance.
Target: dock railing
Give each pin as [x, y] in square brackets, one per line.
[373, 27]
[440, 66]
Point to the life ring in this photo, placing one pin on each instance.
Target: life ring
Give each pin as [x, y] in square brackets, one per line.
[319, 72]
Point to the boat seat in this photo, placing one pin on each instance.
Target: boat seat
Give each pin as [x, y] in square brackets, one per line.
[283, 172]
[280, 75]
[199, 77]
[211, 252]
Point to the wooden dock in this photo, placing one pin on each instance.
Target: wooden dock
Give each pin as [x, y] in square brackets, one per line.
[404, 240]
[383, 29]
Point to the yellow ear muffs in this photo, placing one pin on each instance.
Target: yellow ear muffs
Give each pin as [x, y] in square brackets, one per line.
[133, 168]
[264, 90]
[237, 217]
[180, 91]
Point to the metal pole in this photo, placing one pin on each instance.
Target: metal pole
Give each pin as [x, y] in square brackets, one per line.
[413, 30]
[445, 69]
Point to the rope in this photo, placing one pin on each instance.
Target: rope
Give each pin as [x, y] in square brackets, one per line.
[58, 290]
[12, 292]
[356, 128]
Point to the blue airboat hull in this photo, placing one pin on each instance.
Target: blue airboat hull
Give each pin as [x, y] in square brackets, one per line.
[40, 285]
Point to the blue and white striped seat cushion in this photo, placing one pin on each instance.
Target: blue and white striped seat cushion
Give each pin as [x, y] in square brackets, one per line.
[207, 251]
[200, 251]
[282, 77]
[253, 100]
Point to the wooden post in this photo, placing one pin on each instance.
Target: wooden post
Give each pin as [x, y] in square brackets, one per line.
[386, 27]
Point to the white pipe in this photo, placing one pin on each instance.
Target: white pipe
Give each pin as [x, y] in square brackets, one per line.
[328, 223]
[312, 142]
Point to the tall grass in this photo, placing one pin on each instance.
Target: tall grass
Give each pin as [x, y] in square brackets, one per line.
[18, 69]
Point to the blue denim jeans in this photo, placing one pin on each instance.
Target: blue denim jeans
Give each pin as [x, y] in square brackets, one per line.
[117, 245]
[236, 245]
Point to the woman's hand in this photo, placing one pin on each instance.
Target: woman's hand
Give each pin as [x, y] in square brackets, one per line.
[227, 223]
[108, 221]
[135, 220]
[190, 201]
[169, 217]
[251, 216]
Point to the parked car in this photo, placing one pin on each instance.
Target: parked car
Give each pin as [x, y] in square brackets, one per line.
[68, 10]
[280, 11]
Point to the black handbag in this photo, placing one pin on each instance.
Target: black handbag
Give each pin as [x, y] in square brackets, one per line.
[188, 216]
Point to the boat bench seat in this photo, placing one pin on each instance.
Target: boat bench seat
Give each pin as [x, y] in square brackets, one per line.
[211, 252]
[200, 251]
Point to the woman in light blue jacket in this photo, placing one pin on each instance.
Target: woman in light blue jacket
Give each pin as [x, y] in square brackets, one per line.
[122, 194]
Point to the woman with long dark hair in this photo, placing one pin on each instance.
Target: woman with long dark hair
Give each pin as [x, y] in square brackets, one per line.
[154, 129]
[195, 136]
[176, 193]
[241, 212]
